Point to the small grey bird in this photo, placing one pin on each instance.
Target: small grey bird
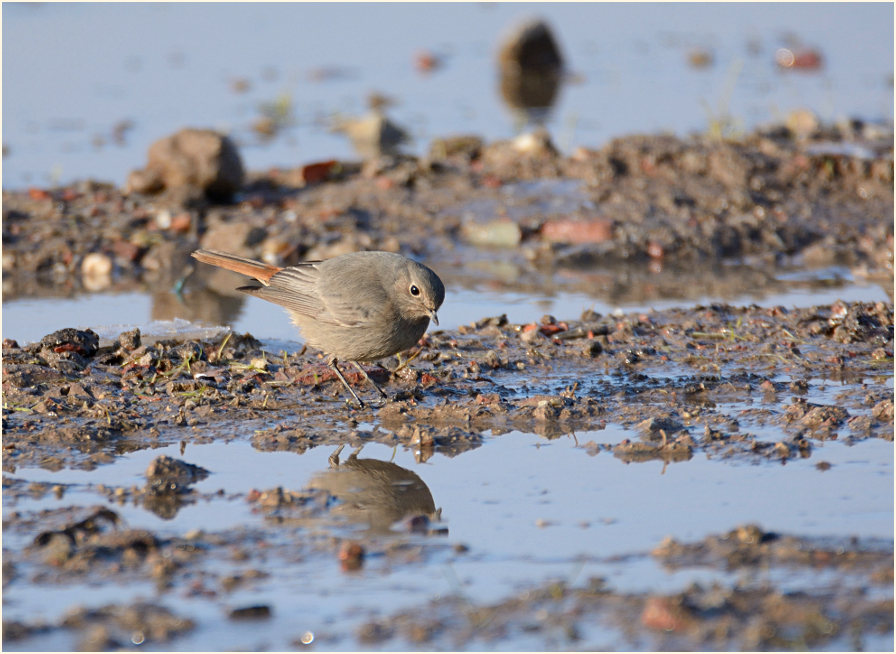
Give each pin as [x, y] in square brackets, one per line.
[361, 306]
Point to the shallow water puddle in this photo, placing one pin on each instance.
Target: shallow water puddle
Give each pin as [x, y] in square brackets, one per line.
[29, 319]
[528, 509]
[628, 62]
[524, 482]
[235, 466]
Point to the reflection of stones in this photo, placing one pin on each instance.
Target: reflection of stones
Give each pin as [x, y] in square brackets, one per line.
[204, 306]
[531, 69]
[373, 492]
[167, 481]
[448, 440]
[372, 135]
[680, 449]
[206, 294]
[580, 270]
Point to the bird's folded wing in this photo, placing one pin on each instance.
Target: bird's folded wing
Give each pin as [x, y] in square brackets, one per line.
[296, 289]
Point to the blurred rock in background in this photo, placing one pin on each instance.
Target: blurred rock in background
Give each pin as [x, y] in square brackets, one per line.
[530, 67]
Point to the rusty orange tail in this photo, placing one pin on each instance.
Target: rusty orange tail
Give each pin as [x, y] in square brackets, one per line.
[255, 269]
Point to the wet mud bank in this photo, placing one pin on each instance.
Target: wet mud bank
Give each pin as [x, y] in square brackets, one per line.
[719, 386]
[668, 374]
[765, 200]
[700, 617]
[716, 382]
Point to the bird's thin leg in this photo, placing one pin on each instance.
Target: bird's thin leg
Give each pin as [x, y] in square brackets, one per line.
[332, 363]
[334, 457]
[367, 377]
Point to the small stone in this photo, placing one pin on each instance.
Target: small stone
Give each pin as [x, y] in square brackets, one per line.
[167, 474]
[530, 68]
[663, 614]
[545, 411]
[129, 340]
[373, 135]
[198, 159]
[467, 146]
[83, 342]
[58, 549]
[592, 348]
[881, 354]
[496, 233]
[533, 335]
[565, 230]
[351, 556]
[96, 264]
[802, 123]
[883, 411]
[255, 612]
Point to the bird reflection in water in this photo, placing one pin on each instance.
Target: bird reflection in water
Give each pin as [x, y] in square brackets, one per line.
[377, 493]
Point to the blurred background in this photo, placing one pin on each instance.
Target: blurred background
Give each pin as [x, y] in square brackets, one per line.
[87, 87]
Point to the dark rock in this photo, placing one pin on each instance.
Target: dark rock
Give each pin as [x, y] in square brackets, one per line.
[256, 612]
[198, 159]
[531, 69]
[77, 341]
[166, 475]
[129, 340]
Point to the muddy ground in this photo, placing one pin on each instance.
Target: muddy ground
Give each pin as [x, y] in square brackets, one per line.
[766, 200]
[71, 401]
[668, 376]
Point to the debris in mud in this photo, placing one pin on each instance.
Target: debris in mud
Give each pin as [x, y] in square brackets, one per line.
[466, 384]
[714, 617]
[750, 545]
[129, 340]
[708, 381]
[806, 59]
[99, 539]
[72, 346]
[817, 421]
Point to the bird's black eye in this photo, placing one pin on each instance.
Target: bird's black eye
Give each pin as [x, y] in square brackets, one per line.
[414, 290]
